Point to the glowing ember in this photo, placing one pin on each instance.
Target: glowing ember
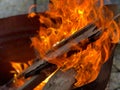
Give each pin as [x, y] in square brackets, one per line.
[63, 18]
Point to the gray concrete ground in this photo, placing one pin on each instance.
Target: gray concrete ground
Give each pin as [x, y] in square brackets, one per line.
[16, 7]
[114, 83]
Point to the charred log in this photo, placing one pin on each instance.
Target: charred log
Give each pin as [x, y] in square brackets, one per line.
[60, 49]
[39, 67]
[65, 46]
[38, 78]
[56, 81]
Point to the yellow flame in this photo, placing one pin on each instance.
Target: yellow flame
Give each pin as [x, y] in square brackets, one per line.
[43, 83]
[65, 17]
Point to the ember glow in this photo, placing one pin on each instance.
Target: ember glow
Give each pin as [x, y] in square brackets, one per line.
[65, 17]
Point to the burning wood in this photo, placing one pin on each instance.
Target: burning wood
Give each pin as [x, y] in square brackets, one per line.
[76, 38]
[64, 46]
[77, 52]
[86, 33]
[57, 80]
[90, 31]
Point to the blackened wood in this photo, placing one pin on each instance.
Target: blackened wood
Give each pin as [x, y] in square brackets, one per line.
[64, 46]
[59, 49]
[57, 83]
[35, 67]
[38, 78]
[42, 65]
[32, 83]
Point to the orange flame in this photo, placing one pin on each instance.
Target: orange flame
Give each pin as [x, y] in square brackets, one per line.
[65, 17]
[43, 83]
[19, 67]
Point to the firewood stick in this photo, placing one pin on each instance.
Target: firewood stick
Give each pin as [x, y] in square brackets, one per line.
[38, 78]
[32, 83]
[38, 64]
[58, 82]
[75, 38]
[44, 71]
[64, 46]
[60, 49]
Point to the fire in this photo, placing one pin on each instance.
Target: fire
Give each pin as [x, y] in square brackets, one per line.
[43, 83]
[19, 68]
[65, 17]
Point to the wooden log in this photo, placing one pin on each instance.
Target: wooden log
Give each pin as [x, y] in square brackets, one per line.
[31, 83]
[61, 48]
[54, 48]
[38, 78]
[41, 64]
[10, 25]
[58, 83]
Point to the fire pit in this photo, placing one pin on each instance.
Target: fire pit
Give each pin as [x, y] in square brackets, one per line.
[15, 33]
[74, 46]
